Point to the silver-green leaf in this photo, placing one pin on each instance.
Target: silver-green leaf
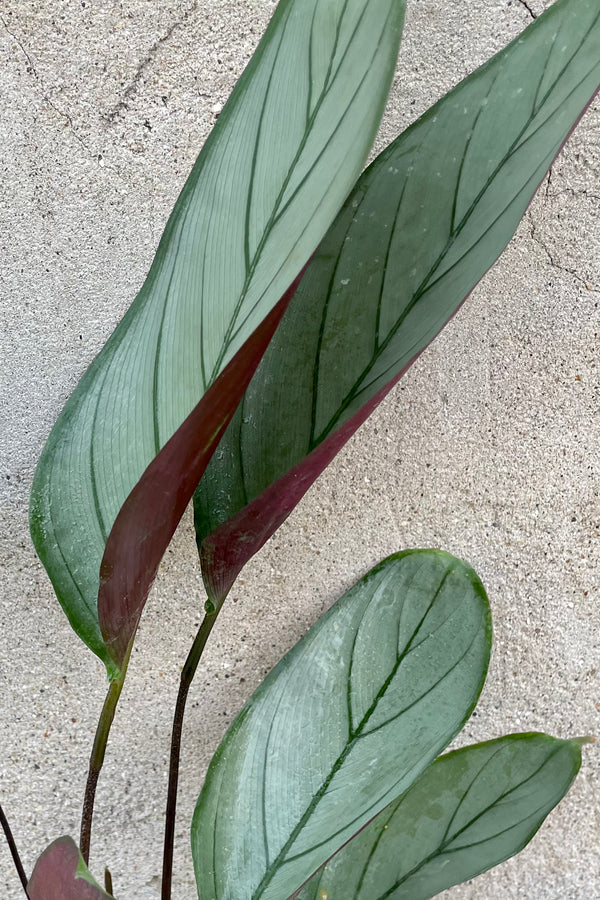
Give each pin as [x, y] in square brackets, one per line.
[469, 811]
[343, 725]
[281, 159]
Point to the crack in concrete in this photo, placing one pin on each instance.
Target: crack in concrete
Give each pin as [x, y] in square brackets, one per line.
[548, 183]
[31, 69]
[550, 195]
[121, 104]
[21, 46]
[589, 195]
[528, 8]
[556, 265]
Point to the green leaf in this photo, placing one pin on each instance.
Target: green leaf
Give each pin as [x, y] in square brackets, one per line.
[282, 157]
[345, 722]
[423, 225]
[61, 874]
[469, 811]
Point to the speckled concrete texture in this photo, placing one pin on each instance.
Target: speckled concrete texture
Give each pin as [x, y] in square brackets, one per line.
[488, 447]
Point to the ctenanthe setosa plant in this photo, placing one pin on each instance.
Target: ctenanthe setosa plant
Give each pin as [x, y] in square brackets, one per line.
[288, 294]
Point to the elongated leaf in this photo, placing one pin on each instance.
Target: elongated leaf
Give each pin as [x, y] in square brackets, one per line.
[61, 874]
[347, 720]
[285, 152]
[469, 811]
[422, 226]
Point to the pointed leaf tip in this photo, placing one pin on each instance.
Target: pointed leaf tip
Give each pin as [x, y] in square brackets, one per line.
[588, 739]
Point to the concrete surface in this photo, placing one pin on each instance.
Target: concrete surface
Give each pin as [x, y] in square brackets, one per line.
[488, 448]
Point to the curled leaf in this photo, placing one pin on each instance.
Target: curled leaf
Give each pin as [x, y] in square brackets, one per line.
[283, 155]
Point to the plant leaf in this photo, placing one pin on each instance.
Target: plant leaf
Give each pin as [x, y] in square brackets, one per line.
[423, 225]
[345, 722]
[469, 811]
[282, 157]
[61, 874]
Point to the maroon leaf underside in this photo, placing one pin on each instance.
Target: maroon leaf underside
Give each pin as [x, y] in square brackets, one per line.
[54, 876]
[148, 518]
[225, 552]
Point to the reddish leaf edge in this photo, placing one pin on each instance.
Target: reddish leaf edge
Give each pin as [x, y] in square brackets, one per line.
[225, 552]
[61, 874]
[147, 520]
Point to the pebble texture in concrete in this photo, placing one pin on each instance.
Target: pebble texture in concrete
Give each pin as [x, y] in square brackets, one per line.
[488, 448]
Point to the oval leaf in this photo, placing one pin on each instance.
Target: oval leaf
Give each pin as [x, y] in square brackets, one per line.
[346, 721]
[282, 157]
[423, 225]
[61, 874]
[469, 811]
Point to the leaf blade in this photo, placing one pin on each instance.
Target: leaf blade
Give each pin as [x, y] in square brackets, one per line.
[257, 202]
[349, 717]
[469, 811]
[61, 874]
[395, 266]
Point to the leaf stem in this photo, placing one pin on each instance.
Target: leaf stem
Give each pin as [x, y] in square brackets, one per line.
[186, 678]
[97, 756]
[13, 849]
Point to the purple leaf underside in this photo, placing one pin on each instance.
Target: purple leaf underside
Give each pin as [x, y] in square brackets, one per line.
[148, 518]
[58, 875]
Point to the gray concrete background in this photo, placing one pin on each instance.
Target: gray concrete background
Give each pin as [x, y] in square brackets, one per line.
[488, 447]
